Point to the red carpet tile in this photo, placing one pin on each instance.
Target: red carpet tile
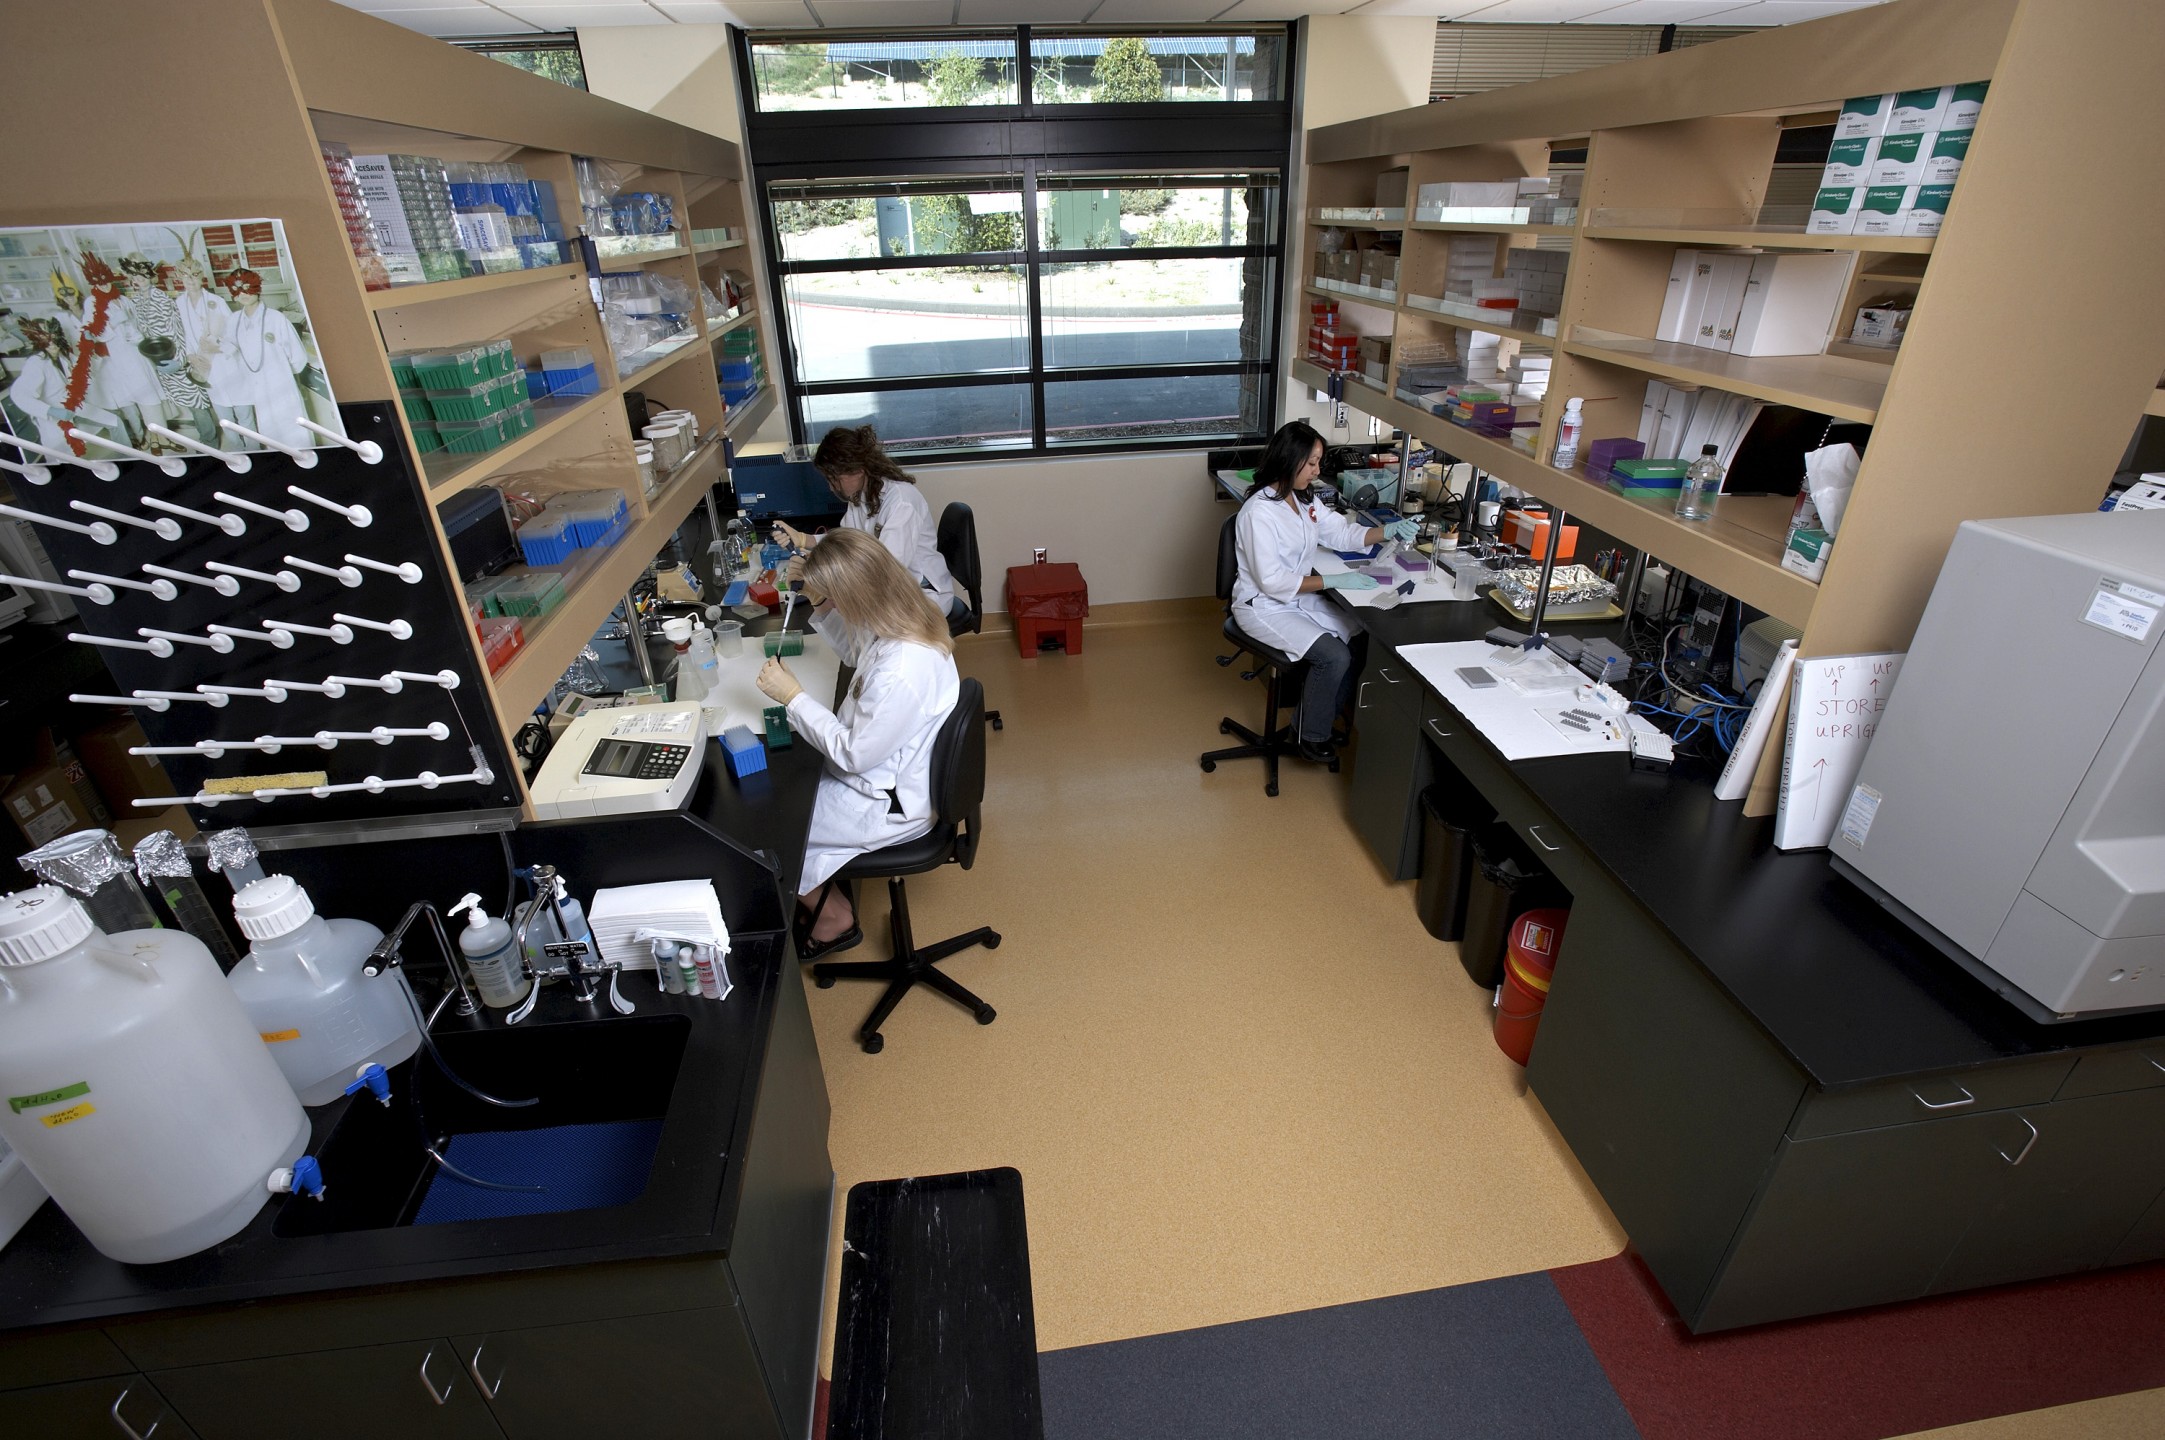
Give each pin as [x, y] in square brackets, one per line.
[1869, 1374]
[819, 1408]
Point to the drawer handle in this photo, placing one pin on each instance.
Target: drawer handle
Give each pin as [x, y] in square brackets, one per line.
[441, 1397]
[129, 1430]
[1385, 676]
[1967, 1099]
[2024, 1154]
[2160, 1064]
[473, 1368]
[1443, 734]
[1360, 699]
[1542, 840]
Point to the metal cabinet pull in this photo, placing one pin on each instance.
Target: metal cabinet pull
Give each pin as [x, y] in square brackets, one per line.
[1542, 840]
[129, 1430]
[2160, 1064]
[1360, 698]
[441, 1397]
[2025, 1153]
[1967, 1099]
[1385, 676]
[473, 1368]
[1443, 734]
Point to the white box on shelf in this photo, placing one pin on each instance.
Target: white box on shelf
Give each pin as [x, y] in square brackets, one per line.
[1721, 302]
[1879, 325]
[1849, 160]
[1918, 111]
[1678, 303]
[1790, 303]
[1899, 159]
[1834, 211]
[1942, 159]
[1884, 209]
[1865, 115]
[1962, 106]
[1927, 209]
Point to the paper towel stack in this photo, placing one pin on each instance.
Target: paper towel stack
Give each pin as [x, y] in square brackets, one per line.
[684, 909]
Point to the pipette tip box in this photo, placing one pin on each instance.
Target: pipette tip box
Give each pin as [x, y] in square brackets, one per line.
[743, 750]
[789, 643]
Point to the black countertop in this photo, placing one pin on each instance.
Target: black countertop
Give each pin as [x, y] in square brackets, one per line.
[1848, 992]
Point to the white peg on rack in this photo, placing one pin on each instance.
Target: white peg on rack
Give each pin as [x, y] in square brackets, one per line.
[292, 519]
[385, 734]
[389, 684]
[166, 529]
[306, 459]
[231, 524]
[160, 589]
[103, 469]
[345, 575]
[252, 692]
[283, 639]
[449, 679]
[102, 594]
[285, 580]
[102, 533]
[224, 584]
[341, 634]
[406, 571]
[357, 514]
[320, 740]
[328, 688]
[223, 644]
[232, 460]
[215, 749]
[34, 474]
[166, 463]
[396, 629]
[163, 649]
[216, 702]
[148, 702]
[370, 452]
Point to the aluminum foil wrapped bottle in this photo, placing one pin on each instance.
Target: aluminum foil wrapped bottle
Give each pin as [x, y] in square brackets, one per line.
[161, 863]
[233, 854]
[90, 865]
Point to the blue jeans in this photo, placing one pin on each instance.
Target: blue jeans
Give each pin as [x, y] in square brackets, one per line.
[1328, 690]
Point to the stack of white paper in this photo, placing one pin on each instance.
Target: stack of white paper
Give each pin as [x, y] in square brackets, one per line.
[685, 909]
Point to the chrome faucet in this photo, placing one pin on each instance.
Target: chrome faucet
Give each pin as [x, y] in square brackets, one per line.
[387, 956]
[565, 959]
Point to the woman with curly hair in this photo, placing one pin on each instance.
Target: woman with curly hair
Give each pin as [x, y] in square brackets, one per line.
[883, 501]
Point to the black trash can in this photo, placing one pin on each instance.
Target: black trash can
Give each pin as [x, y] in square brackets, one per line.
[1507, 881]
[1451, 810]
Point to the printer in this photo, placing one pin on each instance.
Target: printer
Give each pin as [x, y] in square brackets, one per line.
[2011, 807]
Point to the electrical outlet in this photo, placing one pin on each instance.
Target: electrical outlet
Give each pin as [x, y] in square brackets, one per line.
[1652, 587]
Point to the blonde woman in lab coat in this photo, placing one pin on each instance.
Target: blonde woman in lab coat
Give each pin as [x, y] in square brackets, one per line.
[1277, 601]
[876, 790]
[884, 502]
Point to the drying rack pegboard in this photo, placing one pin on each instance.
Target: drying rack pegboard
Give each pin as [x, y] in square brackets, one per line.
[282, 621]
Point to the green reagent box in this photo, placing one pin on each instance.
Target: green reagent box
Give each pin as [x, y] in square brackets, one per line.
[1640, 468]
[784, 644]
[778, 731]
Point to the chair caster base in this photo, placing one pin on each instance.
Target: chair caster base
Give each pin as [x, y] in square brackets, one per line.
[824, 982]
[873, 1043]
[986, 1014]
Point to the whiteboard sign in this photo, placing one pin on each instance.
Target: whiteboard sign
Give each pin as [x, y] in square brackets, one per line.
[1835, 705]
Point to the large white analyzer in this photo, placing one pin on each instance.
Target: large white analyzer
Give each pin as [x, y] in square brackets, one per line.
[620, 762]
[2012, 806]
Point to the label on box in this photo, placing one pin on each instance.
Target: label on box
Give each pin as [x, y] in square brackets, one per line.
[1916, 111]
[1848, 161]
[50, 823]
[1942, 159]
[1962, 106]
[1927, 209]
[1865, 115]
[1858, 815]
[1897, 159]
[1834, 211]
[2124, 609]
[1882, 209]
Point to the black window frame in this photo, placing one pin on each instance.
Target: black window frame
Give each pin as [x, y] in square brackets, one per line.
[1025, 140]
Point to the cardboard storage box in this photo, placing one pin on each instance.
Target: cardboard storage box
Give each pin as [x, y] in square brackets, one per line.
[121, 778]
[53, 795]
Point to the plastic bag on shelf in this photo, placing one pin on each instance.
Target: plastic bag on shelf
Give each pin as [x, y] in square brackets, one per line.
[599, 180]
[582, 676]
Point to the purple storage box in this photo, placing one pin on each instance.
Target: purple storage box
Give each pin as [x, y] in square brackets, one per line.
[1411, 562]
[1602, 455]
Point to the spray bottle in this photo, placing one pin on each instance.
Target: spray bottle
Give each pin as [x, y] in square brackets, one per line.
[490, 956]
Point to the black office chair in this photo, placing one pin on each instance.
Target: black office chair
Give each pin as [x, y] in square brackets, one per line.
[1282, 675]
[958, 788]
[956, 540]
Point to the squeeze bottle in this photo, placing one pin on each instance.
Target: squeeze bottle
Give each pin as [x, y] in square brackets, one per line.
[487, 946]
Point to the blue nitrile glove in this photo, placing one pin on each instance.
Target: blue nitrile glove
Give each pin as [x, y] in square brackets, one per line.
[1401, 530]
[1350, 580]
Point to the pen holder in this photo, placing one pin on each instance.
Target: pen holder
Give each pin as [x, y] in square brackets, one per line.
[785, 644]
[778, 732]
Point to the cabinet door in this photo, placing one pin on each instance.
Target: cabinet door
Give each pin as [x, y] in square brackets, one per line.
[1389, 768]
[691, 1373]
[1860, 1219]
[2146, 1241]
[110, 1409]
[2071, 1192]
[415, 1390]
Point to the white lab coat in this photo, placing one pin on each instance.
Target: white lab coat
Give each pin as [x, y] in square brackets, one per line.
[262, 355]
[41, 392]
[204, 320]
[904, 525]
[880, 742]
[121, 376]
[1275, 542]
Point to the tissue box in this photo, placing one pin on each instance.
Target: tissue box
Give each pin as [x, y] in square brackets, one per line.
[1898, 159]
[1884, 209]
[1942, 159]
[1805, 551]
[1962, 106]
[1916, 112]
[1834, 211]
[1927, 209]
[1865, 115]
[1849, 161]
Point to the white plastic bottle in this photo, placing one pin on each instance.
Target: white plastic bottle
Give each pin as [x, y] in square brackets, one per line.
[684, 678]
[137, 1090]
[1567, 434]
[489, 953]
[302, 986]
[702, 659]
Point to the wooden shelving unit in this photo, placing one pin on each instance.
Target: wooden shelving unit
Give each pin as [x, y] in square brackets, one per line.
[715, 247]
[1470, 227]
[320, 72]
[1692, 134]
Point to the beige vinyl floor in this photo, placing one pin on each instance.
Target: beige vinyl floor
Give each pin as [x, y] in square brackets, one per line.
[1238, 1077]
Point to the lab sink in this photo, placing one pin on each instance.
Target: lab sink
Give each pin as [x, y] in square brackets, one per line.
[600, 1091]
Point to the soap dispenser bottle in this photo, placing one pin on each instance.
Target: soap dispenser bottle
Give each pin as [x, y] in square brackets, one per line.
[490, 956]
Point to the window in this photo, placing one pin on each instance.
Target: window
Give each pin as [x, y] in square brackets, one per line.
[964, 296]
[552, 57]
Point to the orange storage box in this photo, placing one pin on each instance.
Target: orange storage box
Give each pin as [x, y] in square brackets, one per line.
[1529, 530]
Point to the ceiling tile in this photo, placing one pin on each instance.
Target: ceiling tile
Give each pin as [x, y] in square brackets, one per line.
[751, 14]
[1028, 12]
[1521, 12]
[1441, 9]
[1168, 12]
[1788, 12]
[465, 20]
[1657, 12]
[570, 17]
[1257, 10]
[849, 14]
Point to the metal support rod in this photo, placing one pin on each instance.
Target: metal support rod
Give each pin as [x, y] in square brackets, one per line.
[635, 632]
[1632, 584]
[1548, 568]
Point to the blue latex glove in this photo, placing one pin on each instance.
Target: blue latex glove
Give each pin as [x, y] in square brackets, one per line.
[1401, 530]
[1350, 580]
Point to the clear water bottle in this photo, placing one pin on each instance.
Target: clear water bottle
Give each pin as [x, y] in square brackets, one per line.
[1702, 482]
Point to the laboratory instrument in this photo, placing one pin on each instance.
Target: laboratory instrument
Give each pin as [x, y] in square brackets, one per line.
[138, 1092]
[2030, 848]
[302, 986]
[612, 762]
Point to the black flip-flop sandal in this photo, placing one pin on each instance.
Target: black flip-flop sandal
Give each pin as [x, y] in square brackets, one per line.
[810, 949]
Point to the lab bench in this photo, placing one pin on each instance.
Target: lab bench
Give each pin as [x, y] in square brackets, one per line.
[1791, 1102]
[693, 1309]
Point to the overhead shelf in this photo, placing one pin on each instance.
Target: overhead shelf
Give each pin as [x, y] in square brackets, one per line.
[1315, 219]
[1466, 322]
[632, 260]
[399, 296]
[746, 417]
[1470, 227]
[684, 346]
[1764, 239]
[448, 472]
[723, 327]
[1739, 551]
[1844, 388]
[1379, 300]
[709, 247]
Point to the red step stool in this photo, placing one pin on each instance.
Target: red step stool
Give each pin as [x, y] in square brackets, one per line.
[1046, 602]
